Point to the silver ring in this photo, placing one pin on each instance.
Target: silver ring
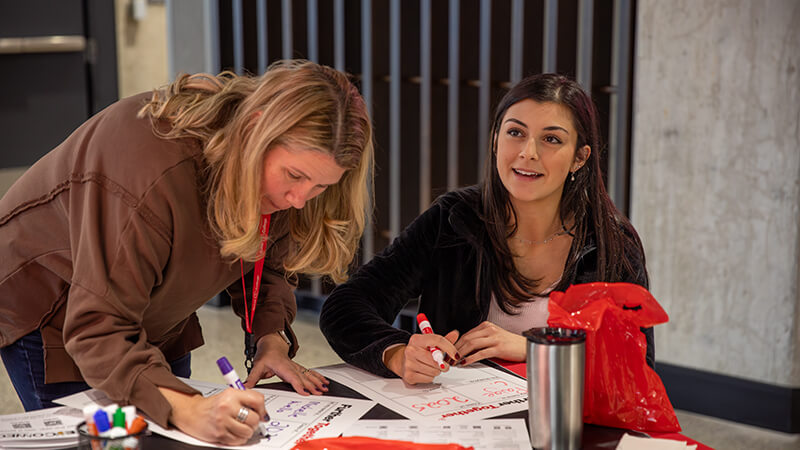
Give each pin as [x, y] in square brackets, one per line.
[306, 371]
[243, 413]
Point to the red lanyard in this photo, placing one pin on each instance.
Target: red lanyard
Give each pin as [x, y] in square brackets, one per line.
[249, 313]
[257, 271]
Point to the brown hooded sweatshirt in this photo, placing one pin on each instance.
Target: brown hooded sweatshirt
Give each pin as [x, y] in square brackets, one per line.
[105, 248]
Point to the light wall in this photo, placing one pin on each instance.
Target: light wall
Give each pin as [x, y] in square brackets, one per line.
[715, 198]
[141, 47]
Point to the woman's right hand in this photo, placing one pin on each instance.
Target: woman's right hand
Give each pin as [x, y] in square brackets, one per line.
[214, 419]
[414, 363]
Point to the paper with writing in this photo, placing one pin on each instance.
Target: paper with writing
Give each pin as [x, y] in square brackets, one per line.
[460, 395]
[293, 418]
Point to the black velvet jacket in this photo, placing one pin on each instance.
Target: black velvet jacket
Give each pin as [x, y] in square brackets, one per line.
[436, 259]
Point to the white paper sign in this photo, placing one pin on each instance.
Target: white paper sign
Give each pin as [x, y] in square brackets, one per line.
[294, 418]
[45, 428]
[460, 395]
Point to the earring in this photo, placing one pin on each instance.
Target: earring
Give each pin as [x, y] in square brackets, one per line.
[573, 177]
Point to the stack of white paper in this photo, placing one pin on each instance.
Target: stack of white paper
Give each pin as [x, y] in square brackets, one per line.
[42, 429]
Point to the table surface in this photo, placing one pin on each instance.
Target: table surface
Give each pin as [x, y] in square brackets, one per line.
[594, 437]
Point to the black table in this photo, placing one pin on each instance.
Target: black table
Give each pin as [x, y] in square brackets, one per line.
[594, 436]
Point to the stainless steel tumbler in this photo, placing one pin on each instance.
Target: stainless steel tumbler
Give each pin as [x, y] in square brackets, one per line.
[555, 387]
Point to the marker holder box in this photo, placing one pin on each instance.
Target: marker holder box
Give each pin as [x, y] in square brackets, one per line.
[88, 441]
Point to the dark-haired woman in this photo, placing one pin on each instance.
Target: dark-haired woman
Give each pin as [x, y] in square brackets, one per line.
[482, 260]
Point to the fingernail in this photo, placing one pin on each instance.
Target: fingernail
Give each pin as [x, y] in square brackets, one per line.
[458, 357]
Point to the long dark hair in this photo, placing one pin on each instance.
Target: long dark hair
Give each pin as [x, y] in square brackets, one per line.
[585, 200]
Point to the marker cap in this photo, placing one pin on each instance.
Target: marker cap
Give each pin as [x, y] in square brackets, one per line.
[119, 418]
[101, 421]
[224, 365]
[137, 426]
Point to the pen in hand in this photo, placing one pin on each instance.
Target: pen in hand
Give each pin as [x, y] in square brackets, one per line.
[425, 327]
[233, 380]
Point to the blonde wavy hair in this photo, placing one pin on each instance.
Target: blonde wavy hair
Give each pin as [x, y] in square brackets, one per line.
[239, 119]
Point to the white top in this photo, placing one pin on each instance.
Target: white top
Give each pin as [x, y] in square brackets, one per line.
[528, 315]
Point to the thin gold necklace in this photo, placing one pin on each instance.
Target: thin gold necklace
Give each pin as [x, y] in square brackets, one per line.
[547, 240]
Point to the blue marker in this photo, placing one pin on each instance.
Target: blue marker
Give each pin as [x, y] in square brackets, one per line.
[101, 422]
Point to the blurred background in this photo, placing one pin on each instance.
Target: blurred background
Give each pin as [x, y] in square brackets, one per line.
[700, 103]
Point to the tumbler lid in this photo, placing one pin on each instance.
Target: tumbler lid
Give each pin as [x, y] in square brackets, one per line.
[555, 336]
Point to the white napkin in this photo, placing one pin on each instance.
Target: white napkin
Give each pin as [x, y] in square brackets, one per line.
[629, 442]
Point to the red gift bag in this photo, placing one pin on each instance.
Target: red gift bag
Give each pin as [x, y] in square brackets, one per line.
[620, 389]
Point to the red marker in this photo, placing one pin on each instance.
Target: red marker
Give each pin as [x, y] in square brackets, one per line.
[425, 327]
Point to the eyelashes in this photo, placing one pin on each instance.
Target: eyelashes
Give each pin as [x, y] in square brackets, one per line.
[518, 133]
[515, 132]
[553, 139]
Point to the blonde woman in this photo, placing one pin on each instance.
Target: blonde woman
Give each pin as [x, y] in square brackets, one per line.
[114, 239]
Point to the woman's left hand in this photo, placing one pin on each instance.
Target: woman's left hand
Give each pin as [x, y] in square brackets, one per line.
[488, 340]
[272, 358]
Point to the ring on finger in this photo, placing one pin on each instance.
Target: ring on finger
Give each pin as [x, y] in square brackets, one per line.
[305, 371]
[243, 413]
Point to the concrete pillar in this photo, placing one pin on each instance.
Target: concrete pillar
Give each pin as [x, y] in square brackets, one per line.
[715, 192]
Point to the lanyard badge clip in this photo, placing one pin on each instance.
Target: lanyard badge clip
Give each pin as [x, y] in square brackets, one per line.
[249, 351]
